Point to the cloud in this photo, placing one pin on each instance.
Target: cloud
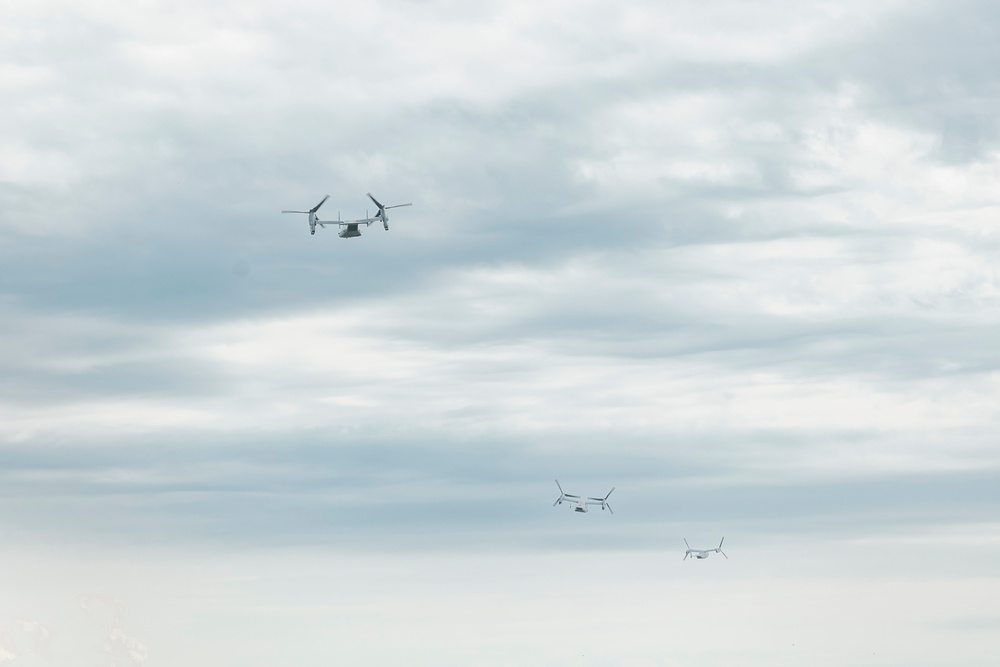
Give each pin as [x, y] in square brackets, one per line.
[737, 262]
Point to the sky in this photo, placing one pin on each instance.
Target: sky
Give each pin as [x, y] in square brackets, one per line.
[736, 260]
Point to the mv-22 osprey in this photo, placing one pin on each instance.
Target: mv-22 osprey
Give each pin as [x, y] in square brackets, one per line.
[582, 504]
[702, 554]
[350, 227]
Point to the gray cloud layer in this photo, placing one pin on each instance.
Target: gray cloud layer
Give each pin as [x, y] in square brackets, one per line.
[737, 261]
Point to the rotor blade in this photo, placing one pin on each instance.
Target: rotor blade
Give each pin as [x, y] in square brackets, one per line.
[375, 200]
[609, 493]
[685, 556]
[609, 508]
[686, 544]
[723, 553]
[560, 487]
[295, 211]
[400, 205]
[557, 501]
[316, 207]
[721, 541]
[570, 495]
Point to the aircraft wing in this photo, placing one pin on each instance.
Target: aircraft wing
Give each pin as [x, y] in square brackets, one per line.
[362, 221]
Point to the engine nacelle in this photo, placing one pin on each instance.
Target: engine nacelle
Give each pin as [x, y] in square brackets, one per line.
[385, 223]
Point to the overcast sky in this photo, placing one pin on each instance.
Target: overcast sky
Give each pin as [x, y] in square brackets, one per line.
[737, 260]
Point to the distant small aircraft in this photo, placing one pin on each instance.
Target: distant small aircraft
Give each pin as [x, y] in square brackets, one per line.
[350, 227]
[701, 554]
[582, 503]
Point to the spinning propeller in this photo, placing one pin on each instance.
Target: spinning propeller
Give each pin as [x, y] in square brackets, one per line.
[384, 217]
[604, 500]
[313, 220]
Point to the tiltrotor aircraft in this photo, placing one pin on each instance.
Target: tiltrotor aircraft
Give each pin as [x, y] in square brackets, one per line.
[582, 504]
[350, 227]
[702, 554]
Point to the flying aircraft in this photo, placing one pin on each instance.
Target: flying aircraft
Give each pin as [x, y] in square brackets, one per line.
[350, 227]
[582, 504]
[701, 554]
[313, 220]
[383, 214]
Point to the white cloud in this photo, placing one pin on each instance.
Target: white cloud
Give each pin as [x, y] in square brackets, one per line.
[737, 260]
